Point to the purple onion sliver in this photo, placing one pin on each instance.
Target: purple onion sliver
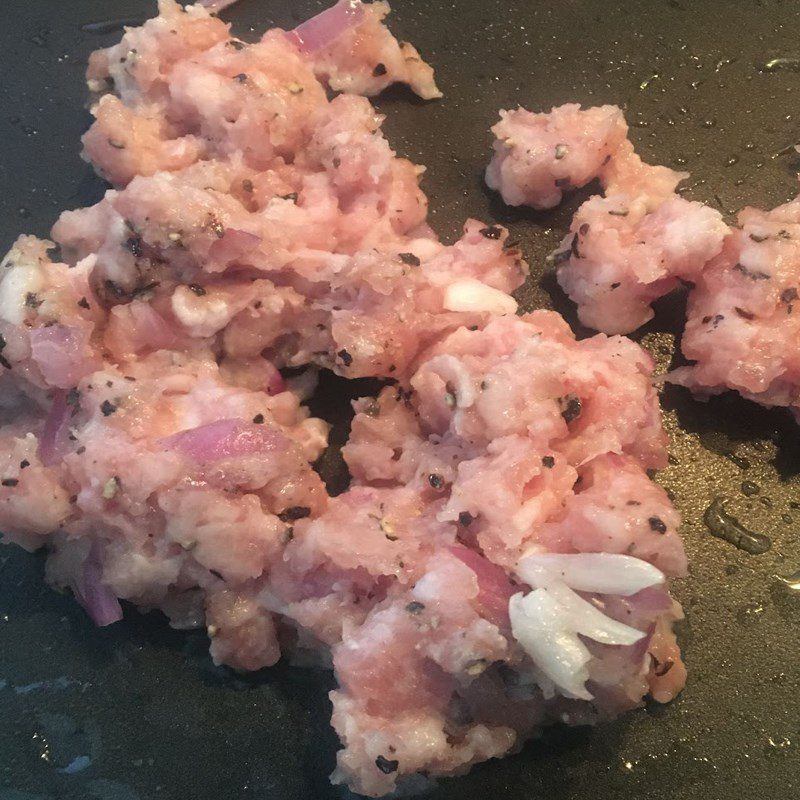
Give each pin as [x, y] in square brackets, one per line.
[97, 599]
[639, 650]
[53, 443]
[226, 438]
[320, 31]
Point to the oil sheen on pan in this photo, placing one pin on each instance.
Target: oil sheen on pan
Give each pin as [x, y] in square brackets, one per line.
[427, 506]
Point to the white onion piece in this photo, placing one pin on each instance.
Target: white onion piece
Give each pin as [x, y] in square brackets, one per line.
[469, 294]
[453, 371]
[604, 573]
[537, 622]
[588, 620]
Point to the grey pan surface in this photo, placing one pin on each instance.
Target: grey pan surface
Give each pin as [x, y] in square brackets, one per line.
[138, 712]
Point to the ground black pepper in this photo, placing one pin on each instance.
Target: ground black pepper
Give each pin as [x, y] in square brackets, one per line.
[346, 358]
[436, 481]
[492, 232]
[465, 518]
[293, 513]
[409, 259]
[657, 525]
[386, 766]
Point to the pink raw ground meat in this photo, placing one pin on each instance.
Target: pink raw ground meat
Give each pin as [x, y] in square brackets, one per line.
[512, 440]
[621, 255]
[742, 324]
[539, 156]
[184, 89]
[625, 249]
[254, 225]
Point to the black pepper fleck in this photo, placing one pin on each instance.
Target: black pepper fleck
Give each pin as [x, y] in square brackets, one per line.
[258, 419]
[436, 481]
[570, 407]
[24, 463]
[346, 358]
[548, 461]
[10, 482]
[32, 300]
[414, 607]
[294, 513]
[409, 259]
[657, 525]
[107, 407]
[492, 232]
[465, 518]
[380, 70]
[386, 766]
[84, 303]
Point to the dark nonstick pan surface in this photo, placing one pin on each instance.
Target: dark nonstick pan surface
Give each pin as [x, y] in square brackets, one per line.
[138, 712]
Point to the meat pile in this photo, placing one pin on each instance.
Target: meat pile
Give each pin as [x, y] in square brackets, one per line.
[640, 239]
[501, 560]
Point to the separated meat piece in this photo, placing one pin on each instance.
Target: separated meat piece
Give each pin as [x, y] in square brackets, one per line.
[624, 250]
[622, 254]
[742, 323]
[540, 156]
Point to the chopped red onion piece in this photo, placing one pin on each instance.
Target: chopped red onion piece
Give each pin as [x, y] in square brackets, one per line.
[322, 30]
[100, 603]
[276, 384]
[53, 443]
[226, 438]
[494, 587]
[63, 354]
[232, 245]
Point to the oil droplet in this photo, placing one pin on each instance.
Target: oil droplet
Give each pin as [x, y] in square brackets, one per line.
[724, 525]
[792, 581]
[709, 123]
[23, 212]
[740, 461]
[749, 488]
[111, 25]
[750, 146]
[788, 62]
[731, 160]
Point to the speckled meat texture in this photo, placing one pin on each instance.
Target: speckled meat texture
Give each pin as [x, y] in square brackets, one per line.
[256, 224]
[511, 441]
[625, 249]
[742, 322]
